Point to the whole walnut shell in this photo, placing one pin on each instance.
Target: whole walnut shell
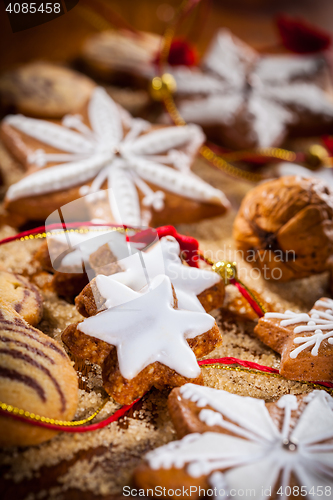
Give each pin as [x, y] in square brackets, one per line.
[285, 227]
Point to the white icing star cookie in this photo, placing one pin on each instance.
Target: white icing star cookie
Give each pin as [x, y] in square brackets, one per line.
[164, 257]
[156, 344]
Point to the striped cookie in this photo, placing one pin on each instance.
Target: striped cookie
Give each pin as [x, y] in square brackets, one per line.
[22, 296]
[35, 375]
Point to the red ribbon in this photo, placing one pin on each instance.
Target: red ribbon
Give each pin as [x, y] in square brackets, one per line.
[119, 413]
[84, 428]
[188, 245]
[241, 362]
[181, 53]
[247, 297]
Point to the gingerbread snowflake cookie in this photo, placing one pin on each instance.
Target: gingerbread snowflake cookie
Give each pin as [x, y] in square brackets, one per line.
[145, 168]
[304, 340]
[249, 100]
[44, 90]
[142, 339]
[236, 444]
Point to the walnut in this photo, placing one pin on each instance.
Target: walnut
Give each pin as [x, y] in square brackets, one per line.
[285, 227]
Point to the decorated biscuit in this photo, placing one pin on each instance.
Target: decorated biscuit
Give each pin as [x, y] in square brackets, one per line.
[249, 100]
[36, 376]
[121, 54]
[145, 168]
[236, 444]
[22, 295]
[305, 341]
[156, 343]
[196, 289]
[44, 90]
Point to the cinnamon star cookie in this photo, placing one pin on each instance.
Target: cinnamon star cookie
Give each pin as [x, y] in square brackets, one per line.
[196, 289]
[156, 343]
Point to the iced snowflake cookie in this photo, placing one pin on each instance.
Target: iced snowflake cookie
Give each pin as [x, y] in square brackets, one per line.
[44, 90]
[146, 168]
[35, 375]
[22, 295]
[305, 341]
[142, 340]
[122, 55]
[247, 100]
[234, 444]
[196, 289]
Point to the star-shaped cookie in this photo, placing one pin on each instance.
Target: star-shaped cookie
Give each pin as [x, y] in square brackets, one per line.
[234, 444]
[196, 289]
[145, 168]
[305, 341]
[156, 344]
[250, 100]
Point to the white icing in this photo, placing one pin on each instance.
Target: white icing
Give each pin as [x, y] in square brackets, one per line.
[253, 464]
[323, 173]
[163, 258]
[227, 59]
[279, 68]
[148, 329]
[318, 322]
[248, 413]
[267, 131]
[235, 84]
[216, 108]
[92, 155]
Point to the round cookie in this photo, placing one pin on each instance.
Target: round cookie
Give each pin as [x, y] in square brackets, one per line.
[44, 90]
[35, 375]
[23, 296]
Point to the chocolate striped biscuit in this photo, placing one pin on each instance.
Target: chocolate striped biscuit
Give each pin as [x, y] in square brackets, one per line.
[22, 295]
[35, 375]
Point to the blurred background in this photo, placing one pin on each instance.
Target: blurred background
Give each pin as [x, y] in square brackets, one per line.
[61, 39]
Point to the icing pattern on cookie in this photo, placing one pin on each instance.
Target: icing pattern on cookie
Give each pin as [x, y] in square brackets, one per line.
[258, 453]
[164, 257]
[319, 323]
[104, 154]
[147, 328]
[235, 79]
[285, 169]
